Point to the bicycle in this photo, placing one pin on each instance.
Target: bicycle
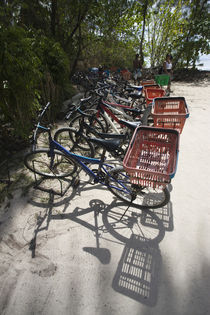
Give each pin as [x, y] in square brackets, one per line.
[116, 144]
[58, 162]
[109, 114]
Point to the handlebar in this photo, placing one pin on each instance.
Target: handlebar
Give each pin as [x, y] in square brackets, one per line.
[42, 112]
[38, 126]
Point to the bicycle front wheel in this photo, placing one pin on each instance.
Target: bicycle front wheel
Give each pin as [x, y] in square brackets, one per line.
[119, 184]
[91, 121]
[40, 162]
[74, 141]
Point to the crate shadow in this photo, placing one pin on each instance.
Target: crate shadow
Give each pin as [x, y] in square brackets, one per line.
[165, 214]
[137, 274]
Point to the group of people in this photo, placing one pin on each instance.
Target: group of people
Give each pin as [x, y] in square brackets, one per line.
[166, 69]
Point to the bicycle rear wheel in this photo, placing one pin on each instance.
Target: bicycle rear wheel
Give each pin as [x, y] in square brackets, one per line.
[119, 184]
[40, 162]
[74, 141]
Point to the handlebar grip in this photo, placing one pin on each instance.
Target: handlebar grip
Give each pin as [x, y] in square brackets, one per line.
[68, 116]
[42, 111]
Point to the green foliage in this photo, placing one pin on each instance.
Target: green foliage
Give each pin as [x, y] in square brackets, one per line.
[53, 58]
[19, 77]
[32, 67]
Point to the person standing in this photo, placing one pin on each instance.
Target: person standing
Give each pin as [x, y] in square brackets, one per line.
[167, 69]
[137, 66]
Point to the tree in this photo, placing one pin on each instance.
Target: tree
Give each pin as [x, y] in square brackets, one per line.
[196, 32]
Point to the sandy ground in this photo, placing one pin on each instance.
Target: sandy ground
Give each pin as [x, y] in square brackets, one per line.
[70, 255]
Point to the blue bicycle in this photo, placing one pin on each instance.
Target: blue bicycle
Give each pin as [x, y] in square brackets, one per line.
[58, 162]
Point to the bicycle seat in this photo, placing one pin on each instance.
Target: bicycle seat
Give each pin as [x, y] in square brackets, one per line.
[136, 87]
[103, 135]
[135, 95]
[130, 124]
[133, 110]
[109, 144]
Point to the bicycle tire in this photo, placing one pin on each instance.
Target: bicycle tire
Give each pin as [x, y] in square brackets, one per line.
[94, 123]
[144, 197]
[74, 141]
[39, 160]
[99, 116]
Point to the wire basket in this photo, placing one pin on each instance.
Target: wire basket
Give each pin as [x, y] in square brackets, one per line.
[152, 156]
[170, 112]
[151, 93]
[162, 79]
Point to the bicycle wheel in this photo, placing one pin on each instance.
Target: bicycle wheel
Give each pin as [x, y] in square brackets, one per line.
[40, 162]
[118, 183]
[91, 121]
[139, 103]
[99, 116]
[74, 141]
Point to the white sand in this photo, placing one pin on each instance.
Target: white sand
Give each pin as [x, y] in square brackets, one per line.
[79, 258]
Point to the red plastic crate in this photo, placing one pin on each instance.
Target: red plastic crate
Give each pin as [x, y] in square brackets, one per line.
[170, 112]
[146, 82]
[152, 156]
[151, 93]
[146, 86]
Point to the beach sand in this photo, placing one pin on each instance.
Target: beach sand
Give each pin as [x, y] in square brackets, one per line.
[71, 255]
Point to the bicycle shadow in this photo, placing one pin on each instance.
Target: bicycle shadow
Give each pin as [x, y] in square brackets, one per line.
[72, 186]
[138, 272]
[132, 222]
[96, 207]
[164, 213]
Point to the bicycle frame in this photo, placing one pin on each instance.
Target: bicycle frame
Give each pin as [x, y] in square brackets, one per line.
[81, 160]
[109, 112]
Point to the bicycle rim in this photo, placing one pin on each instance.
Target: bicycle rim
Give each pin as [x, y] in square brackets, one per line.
[118, 183]
[93, 122]
[40, 162]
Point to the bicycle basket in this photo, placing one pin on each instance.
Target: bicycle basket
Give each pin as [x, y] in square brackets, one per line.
[152, 156]
[151, 93]
[162, 79]
[170, 112]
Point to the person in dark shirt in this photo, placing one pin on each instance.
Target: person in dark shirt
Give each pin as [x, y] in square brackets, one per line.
[137, 66]
[167, 69]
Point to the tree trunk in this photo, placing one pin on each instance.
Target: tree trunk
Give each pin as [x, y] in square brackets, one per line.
[53, 17]
[78, 53]
[143, 31]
